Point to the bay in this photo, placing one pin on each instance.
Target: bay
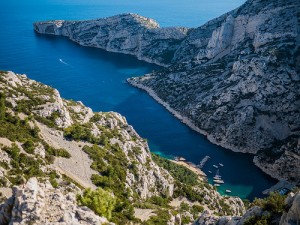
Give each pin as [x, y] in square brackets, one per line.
[97, 78]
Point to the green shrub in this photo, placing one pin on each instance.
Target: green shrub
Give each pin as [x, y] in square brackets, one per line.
[254, 220]
[100, 201]
[158, 200]
[161, 218]
[274, 203]
[29, 146]
[179, 172]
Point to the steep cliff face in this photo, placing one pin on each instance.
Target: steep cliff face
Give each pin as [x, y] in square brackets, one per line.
[127, 33]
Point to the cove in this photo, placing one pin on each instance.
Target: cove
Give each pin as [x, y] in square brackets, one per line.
[97, 78]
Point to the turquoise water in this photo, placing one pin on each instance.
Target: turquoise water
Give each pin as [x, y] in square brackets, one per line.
[97, 78]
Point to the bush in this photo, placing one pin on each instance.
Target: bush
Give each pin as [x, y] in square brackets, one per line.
[273, 203]
[28, 146]
[179, 172]
[100, 201]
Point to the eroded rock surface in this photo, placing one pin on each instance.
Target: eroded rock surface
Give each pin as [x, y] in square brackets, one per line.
[40, 203]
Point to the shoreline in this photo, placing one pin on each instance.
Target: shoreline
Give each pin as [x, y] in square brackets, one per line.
[189, 123]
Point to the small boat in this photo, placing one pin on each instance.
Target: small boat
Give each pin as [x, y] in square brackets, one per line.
[221, 164]
[217, 176]
[217, 185]
[209, 171]
[219, 181]
[215, 166]
[228, 191]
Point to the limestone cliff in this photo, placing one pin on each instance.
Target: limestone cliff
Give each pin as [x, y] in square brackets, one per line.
[40, 203]
[238, 83]
[234, 79]
[127, 33]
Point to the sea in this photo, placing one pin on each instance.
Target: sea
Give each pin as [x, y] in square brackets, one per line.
[98, 78]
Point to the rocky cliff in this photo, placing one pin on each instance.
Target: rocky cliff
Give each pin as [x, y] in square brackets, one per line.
[235, 79]
[127, 33]
[59, 156]
[238, 83]
[273, 210]
[40, 203]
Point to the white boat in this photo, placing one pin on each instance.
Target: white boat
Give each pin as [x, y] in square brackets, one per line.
[215, 166]
[217, 185]
[219, 181]
[221, 164]
[209, 171]
[228, 191]
[217, 176]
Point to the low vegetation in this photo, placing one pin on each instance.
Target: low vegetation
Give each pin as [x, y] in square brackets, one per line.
[273, 205]
[100, 201]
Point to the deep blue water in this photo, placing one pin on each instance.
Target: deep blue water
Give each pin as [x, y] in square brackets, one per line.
[97, 78]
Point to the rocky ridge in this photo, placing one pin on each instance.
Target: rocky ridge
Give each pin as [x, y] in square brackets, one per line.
[126, 33]
[40, 203]
[234, 79]
[50, 145]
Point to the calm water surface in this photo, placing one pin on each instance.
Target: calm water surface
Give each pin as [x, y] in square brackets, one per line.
[97, 78]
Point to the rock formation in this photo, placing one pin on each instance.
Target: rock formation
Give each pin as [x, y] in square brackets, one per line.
[127, 33]
[40, 203]
[289, 217]
[235, 79]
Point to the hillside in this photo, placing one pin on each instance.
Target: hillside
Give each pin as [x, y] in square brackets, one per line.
[62, 163]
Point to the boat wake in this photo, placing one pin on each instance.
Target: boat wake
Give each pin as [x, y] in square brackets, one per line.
[63, 62]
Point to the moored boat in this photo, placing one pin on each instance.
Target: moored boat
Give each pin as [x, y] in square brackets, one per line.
[219, 181]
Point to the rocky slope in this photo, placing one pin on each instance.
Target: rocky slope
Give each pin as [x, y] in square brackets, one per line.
[40, 203]
[286, 214]
[234, 79]
[52, 149]
[126, 33]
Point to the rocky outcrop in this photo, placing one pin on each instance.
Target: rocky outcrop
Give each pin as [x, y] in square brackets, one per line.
[48, 100]
[290, 216]
[127, 33]
[234, 79]
[237, 82]
[40, 203]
